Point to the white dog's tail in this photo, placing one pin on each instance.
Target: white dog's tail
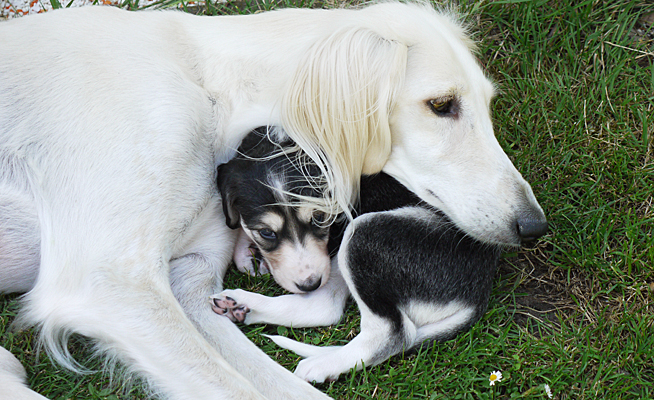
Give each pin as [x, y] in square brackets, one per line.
[302, 349]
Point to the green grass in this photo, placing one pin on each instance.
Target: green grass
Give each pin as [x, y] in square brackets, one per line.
[576, 115]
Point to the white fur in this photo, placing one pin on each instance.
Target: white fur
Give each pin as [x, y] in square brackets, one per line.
[109, 157]
[13, 378]
[244, 256]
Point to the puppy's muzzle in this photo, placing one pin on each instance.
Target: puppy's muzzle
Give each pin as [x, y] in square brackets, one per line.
[310, 284]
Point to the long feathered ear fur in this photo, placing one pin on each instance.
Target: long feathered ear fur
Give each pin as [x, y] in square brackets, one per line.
[338, 104]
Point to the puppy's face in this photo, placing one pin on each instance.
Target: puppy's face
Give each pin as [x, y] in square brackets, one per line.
[293, 243]
[269, 196]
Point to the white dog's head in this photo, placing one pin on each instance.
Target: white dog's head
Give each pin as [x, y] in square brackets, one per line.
[399, 89]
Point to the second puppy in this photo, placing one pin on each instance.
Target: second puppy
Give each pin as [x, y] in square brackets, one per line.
[413, 274]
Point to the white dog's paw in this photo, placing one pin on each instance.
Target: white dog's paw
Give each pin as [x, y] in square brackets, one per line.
[318, 369]
[225, 304]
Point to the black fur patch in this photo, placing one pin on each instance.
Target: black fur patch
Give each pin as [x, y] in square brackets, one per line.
[396, 259]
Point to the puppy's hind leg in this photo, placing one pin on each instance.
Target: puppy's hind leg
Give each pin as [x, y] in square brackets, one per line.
[449, 326]
[379, 339]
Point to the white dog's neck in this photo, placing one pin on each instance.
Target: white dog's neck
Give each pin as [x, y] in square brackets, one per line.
[248, 87]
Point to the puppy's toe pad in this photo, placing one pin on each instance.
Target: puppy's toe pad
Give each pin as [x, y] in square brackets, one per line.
[240, 313]
[224, 302]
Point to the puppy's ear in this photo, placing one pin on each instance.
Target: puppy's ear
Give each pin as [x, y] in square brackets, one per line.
[226, 183]
[252, 141]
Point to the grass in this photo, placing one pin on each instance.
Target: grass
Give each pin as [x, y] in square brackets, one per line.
[576, 115]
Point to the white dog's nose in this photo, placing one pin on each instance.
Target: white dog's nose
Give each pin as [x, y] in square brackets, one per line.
[531, 228]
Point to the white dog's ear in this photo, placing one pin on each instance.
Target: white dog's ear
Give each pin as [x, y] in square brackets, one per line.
[338, 104]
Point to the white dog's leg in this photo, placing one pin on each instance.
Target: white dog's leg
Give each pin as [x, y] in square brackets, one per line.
[194, 278]
[19, 239]
[321, 307]
[12, 379]
[146, 328]
[274, 381]
[124, 301]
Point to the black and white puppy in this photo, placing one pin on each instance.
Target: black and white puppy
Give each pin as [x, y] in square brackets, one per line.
[265, 191]
[413, 274]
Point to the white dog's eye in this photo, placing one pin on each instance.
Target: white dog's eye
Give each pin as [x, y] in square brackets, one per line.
[442, 106]
[267, 234]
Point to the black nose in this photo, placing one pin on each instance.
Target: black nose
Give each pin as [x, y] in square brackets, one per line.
[531, 228]
[309, 285]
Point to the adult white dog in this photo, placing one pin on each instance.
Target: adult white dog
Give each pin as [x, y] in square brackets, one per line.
[112, 124]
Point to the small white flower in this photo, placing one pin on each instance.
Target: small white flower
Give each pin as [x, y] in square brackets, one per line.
[495, 376]
[548, 390]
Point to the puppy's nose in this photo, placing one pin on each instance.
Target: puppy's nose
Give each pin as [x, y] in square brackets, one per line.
[310, 284]
[531, 228]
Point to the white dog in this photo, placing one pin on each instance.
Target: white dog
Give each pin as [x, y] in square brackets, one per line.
[112, 124]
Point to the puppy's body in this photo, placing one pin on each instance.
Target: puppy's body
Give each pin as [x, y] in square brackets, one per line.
[411, 256]
[415, 276]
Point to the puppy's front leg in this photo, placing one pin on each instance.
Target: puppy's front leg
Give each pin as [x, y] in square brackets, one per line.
[322, 307]
[247, 256]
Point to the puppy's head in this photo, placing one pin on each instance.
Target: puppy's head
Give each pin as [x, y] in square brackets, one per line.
[266, 191]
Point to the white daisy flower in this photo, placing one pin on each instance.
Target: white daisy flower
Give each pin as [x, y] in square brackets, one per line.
[548, 390]
[495, 376]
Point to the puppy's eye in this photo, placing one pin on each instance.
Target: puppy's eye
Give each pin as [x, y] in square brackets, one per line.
[318, 218]
[267, 234]
[441, 107]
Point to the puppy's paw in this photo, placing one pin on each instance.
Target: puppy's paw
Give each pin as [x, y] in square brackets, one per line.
[247, 256]
[225, 305]
[318, 369]
[222, 304]
[251, 262]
